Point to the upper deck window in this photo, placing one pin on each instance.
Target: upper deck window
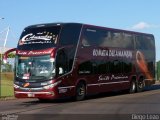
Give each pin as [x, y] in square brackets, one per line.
[70, 34]
[145, 42]
[39, 38]
[107, 38]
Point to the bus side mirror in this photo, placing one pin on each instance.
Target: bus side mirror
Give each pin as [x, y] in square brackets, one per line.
[5, 56]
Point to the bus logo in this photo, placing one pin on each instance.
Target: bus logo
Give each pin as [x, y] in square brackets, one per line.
[26, 85]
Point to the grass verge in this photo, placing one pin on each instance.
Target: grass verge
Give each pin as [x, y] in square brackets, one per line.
[6, 86]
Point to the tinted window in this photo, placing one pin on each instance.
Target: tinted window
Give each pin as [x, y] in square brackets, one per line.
[127, 67]
[39, 38]
[127, 41]
[144, 42]
[92, 37]
[85, 68]
[120, 39]
[70, 34]
[69, 37]
[116, 39]
[102, 67]
[120, 67]
[116, 67]
[106, 38]
[105, 67]
[61, 63]
[94, 67]
[149, 42]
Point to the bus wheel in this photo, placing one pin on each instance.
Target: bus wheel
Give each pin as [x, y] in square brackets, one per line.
[80, 91]
[132, 87]
[140, 85]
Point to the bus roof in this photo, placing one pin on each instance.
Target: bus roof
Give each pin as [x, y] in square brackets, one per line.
[107, 28]
[115, 29]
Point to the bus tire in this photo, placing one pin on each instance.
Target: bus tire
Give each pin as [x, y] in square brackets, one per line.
[80, 91]
[140, 85]
[132, 87]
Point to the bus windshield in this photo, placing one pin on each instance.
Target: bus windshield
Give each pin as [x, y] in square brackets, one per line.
[39, 38]
[35, 68]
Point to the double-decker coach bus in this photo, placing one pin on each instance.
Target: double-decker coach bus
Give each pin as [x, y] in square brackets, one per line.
[71, 59]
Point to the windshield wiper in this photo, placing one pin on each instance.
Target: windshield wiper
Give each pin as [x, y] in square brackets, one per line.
[38, 77]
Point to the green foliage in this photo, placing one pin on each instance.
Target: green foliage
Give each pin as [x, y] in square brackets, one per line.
[8, 67]
[11, 55]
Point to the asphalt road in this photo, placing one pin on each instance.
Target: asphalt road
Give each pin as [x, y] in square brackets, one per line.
[139, 106]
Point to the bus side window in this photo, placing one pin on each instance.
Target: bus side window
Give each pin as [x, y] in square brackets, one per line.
[61, 63]
[85, 42]
[115, 67]
[85, 68]
[91, 37]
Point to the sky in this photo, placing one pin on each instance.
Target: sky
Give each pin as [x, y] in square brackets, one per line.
[134, 15]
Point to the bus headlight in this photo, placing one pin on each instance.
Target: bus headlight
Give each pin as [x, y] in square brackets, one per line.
[52, 85]
[16, 86]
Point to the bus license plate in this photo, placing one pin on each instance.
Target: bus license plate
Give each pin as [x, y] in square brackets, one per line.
[31, 95]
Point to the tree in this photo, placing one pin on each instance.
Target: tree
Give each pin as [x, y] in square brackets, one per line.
[7, 67]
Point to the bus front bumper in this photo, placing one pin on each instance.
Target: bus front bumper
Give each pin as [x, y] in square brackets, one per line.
[45, 95]
[45, 92]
